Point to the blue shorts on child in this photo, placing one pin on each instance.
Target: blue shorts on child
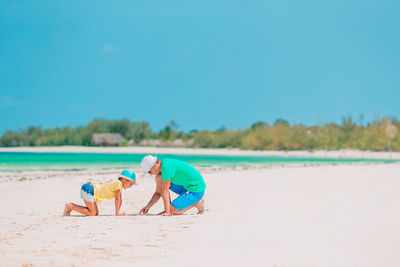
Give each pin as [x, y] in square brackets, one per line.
[87, 192]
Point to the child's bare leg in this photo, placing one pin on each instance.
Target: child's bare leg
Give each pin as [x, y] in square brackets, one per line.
[67, 209]
[92, 206]
[89, 210]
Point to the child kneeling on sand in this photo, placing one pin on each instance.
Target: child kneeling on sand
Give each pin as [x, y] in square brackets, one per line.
[93, 193]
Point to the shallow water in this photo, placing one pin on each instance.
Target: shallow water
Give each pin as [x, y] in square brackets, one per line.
[29, 161]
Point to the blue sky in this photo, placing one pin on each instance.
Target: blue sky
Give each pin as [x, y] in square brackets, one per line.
[202, 63]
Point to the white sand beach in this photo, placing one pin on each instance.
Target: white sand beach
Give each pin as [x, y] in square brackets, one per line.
[344, 215]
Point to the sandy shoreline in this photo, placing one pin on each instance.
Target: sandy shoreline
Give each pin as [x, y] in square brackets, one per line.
[343, 215]
[204, 151]
[31, 175]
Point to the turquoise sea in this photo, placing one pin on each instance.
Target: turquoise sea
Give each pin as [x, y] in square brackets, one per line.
[28, 161]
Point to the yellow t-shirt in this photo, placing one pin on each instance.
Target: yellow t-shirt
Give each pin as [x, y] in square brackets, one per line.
[107, 190]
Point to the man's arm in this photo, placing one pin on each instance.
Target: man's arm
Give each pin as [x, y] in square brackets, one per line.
[156, 196]
[118, 203]
[165, 196]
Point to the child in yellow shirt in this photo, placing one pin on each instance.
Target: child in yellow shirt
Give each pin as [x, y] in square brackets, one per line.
[93, 193]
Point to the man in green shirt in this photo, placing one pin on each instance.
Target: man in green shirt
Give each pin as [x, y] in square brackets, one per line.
[179, 177]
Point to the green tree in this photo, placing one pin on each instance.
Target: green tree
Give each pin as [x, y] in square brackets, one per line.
[205, 139]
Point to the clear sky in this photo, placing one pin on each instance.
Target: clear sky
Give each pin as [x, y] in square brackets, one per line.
[202, 63]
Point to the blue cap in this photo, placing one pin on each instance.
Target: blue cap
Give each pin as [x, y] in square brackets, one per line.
[127, 174]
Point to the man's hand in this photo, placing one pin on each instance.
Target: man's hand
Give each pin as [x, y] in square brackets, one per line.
[166, 214]
[144, 210]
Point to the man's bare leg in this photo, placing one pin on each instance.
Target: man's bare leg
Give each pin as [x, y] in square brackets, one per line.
[199, 205]
[90, 209]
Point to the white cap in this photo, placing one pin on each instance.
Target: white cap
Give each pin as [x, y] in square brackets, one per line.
[147, 163]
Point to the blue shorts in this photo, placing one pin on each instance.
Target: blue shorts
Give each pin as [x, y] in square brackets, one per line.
[87, 192]
[185, 198]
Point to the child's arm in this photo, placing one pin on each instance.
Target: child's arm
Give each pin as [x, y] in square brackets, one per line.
[118, 203]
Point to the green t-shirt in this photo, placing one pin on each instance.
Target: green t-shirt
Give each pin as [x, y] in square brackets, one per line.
[181, 173]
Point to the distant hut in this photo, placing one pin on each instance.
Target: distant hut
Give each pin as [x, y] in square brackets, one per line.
[151, 142]
[132, 142]
[190, 142]
[178, 143]
[107, 139]
[143, 143]
[155, 142]
[12, 143]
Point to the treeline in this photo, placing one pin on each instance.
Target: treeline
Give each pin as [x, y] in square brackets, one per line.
[380, 135]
